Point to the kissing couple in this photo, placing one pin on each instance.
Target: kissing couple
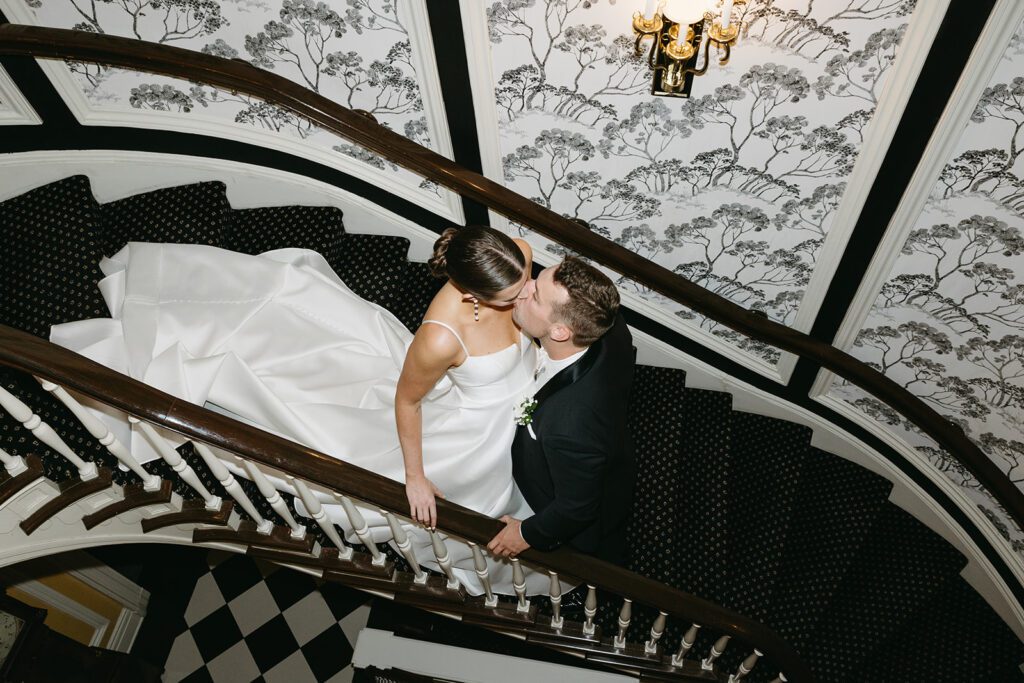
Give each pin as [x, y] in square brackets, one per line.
[510, 399]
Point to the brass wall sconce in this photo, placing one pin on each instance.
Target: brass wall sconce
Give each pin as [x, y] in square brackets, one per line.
[677, 46]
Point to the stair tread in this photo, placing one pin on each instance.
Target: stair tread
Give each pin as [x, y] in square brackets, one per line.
[254, 231]
[196, 213]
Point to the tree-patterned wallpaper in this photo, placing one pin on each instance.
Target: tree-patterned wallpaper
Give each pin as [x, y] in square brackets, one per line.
[736, 187]
[949, 322]
[356, 52]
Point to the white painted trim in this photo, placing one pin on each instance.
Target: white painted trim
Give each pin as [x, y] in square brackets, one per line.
[1003, 22]
[114, 174]
[16, 110]
[923, 27]
[63, 603]
[906, 492]
[385, 650]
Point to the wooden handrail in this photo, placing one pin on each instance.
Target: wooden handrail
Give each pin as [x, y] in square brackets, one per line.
[240, 76]
[45, 360]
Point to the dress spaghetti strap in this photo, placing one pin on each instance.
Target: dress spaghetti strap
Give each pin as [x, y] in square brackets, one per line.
[452, 330]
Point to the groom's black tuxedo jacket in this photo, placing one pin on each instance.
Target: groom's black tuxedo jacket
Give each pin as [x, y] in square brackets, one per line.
[578, 473]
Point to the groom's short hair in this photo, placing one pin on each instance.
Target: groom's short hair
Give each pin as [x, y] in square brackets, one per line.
[592, 304]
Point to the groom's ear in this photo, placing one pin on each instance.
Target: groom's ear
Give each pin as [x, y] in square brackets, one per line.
[560, 333]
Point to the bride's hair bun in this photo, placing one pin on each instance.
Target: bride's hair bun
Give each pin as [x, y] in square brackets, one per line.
[439, 260]
[478, 259]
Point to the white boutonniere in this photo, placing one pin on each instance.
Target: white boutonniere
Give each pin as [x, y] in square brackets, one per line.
[523, 412]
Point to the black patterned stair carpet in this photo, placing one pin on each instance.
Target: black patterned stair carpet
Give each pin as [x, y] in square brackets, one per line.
[954, 636]
[184, 214]
[835, 510]
[733, 507]
[768, 459]
[901, 564]
[705, 488]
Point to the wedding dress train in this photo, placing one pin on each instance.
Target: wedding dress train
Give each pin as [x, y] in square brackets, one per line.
[281, 342]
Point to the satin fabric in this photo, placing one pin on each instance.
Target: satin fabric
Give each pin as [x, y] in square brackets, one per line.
[279, 341]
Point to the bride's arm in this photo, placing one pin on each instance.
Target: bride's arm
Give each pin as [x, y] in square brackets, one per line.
[432, 352]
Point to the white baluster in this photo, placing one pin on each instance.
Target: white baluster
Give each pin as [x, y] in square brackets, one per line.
[685, 644]
[14, 464]
[443, 560]
[780, 678]
[178, 464]
[708, 663]
[273, 497]
[361, 529]
[555, 593]
[625, 616]
[316, 511]
[590, 610]
[657, 631]
[405, 547]
[231, 485]
[42, 431]
[745, 666]
[100, 432]
[519, 586]
[480, 565]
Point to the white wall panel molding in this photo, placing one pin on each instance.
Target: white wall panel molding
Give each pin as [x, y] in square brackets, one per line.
[924, 25]
[906, 493]
[988, 52]
[14, 108]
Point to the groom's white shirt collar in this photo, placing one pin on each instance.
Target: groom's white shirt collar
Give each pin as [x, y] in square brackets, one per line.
[547, 368]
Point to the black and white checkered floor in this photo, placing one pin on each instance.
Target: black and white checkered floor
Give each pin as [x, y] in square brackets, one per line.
[251, 621]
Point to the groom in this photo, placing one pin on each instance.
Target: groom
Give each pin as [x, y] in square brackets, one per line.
[574, 461]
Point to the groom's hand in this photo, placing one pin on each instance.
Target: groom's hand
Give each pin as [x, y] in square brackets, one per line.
[509, 541]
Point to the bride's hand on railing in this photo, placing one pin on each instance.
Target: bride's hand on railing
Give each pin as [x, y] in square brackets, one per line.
[421, 493]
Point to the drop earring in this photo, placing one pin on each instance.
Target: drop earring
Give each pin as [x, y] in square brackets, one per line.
[476, 311]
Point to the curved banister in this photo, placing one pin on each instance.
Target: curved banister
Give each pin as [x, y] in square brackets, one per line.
[45, 360]
[240, 76]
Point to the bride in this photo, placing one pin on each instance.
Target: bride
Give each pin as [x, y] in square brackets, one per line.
[280, 342]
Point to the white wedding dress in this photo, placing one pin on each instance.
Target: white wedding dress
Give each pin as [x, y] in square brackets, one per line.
[279, 341]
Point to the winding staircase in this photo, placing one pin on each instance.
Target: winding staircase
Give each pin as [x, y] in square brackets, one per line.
[733, 508]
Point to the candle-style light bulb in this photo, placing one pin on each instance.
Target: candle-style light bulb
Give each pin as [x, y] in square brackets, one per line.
[726, 13]
[649, 9]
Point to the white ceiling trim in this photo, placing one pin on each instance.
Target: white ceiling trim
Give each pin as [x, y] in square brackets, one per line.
[986, 56]
[478, 55]
[923, 28]
[14, 108]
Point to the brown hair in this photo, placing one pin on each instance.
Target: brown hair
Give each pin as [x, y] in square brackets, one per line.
[479, 260]
[592, 304]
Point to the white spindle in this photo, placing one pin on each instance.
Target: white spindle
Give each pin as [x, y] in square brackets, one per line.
[480, 565]
[361, 529]
[102, 433]
[42, 431]
[443, 559]
[780, 678]
[273, 497]
[685, 644]
[657, 631]
[178, 464]
[316, 511]
[14, 464]
[555, 593]
[708, 663]
[590, 610]
[745, 666]
[231, 485]
[519, 586]
[625, 616]
[405, 547]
